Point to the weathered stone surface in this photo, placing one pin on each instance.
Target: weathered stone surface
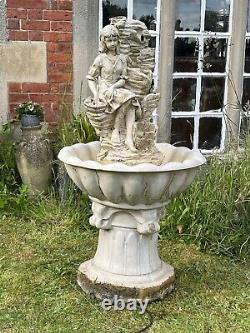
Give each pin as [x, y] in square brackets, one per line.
[142, 186]
[101, 284]
[23, 61]
[128, 202]
[121, 109]
[128, 177]
[20, 62]
[3, 34]
[34, 158]
[85, 43]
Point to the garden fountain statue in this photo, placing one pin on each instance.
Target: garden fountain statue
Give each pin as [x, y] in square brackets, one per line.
[128, 177]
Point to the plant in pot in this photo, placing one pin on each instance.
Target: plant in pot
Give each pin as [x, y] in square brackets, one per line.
[30, 114]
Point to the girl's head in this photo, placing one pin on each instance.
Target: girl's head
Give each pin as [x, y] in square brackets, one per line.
[109, 39]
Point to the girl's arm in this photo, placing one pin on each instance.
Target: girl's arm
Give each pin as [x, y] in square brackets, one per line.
[92, 77]
[118, 84]
[93, 88]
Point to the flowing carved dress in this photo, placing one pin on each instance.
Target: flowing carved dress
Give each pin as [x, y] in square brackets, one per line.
[105, 72]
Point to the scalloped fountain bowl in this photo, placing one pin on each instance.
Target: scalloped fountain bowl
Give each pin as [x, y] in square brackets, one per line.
[137, 186]
[127, 206]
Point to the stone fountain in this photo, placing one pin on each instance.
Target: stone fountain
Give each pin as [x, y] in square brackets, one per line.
[128, 177]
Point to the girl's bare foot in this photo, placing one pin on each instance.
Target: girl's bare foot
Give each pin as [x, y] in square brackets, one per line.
[131, 146]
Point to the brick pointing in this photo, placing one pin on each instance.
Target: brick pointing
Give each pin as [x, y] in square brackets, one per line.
[49, 21]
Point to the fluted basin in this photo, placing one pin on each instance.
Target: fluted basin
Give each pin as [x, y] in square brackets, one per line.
[141, 185]
[127, 205]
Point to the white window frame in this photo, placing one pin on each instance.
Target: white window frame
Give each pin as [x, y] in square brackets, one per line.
[196, 114]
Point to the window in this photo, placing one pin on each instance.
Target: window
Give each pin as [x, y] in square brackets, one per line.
[203, 30]
[200, 79]
[147, 11]
[245, 115]
[113, 8]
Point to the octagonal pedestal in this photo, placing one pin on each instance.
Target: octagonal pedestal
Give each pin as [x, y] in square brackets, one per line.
[126, 263]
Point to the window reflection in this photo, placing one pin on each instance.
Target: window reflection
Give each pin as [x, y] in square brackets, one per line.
[184, 92]
[182, 132]
[186, 54]
[217, 15]
[212, 93]
[246, 92]
[145, 11]
[248, 21]
[210, 133]
[112, 8]
[215, 53]
[247, 56]
[152, 42]
[244, 130]
[188, 15]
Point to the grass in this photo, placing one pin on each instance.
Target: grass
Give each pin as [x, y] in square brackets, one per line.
[43, 241]
[214, 212]
[39, 256]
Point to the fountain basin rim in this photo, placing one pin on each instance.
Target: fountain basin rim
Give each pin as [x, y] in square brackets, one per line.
[126, 206]
[194, 161]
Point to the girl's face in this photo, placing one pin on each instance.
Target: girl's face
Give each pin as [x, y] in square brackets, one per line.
[111, 43]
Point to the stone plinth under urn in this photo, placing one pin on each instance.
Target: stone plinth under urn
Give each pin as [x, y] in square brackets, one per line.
[128, 177]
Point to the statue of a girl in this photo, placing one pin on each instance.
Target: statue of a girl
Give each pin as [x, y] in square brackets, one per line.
[106, 80]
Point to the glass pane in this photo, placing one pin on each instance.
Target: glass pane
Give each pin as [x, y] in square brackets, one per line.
[112, 8]
[248, 21]
[152, 42]
[148, 55]
[188, 15]
[185, 55]
[217, 15]
[184, 92]
[246, 92]
[212, 93]
[247, 56]
[145, 11]
[182, 132]
[215, 55]
[244, 131]
[210, 133]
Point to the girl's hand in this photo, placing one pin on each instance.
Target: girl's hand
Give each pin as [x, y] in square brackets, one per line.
[96, 99]
[110, 93]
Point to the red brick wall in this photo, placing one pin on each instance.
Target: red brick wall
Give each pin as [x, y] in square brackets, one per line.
[49, 21]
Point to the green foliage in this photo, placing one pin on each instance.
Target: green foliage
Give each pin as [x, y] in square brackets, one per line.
[73, 129]
[50, 209]
[13, 195]
[13, 203]
[8, 170]
[29, 108]
[214, 212]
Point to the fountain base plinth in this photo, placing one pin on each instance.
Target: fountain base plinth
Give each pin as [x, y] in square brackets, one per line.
[126, 264]
[106, 285]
